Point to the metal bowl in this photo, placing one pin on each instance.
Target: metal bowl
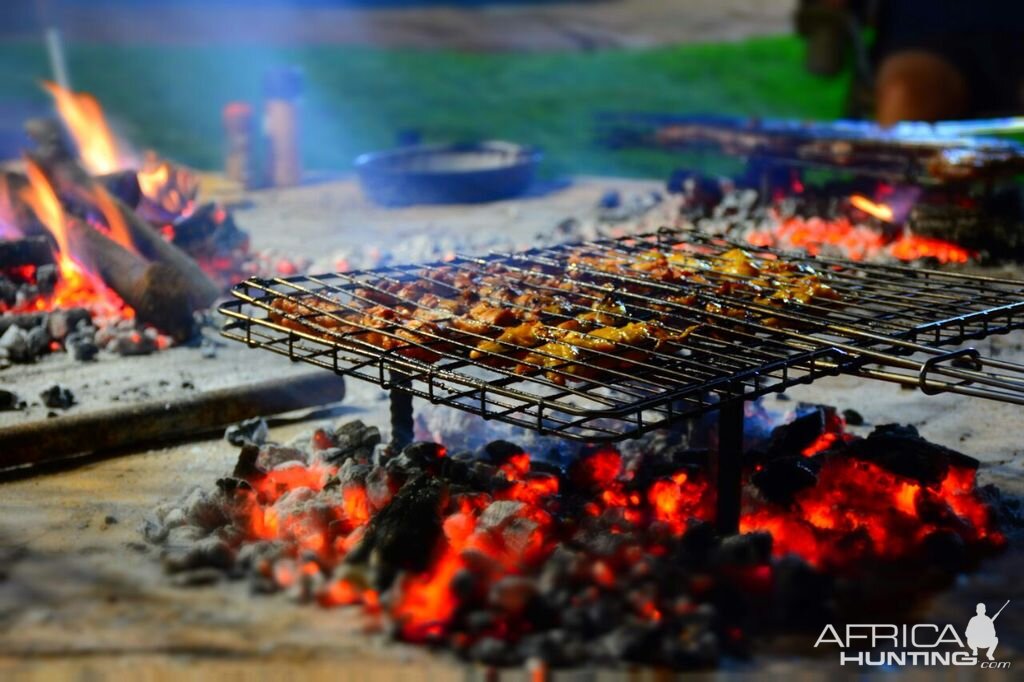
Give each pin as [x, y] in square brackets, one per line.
[447, 174]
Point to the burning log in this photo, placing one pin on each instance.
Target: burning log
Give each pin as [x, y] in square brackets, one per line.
[55, 158]
[159, 294]
[25, 251]
[160, 420]
[124, 185]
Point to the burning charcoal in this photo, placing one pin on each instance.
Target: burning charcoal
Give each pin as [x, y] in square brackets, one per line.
[46, 278]
[198, 577]
[555, 647]
[57, 396]
[796, 436]
[380, 488]
[748, 549]
[780, 479]
[204, 511]
[272, 456]
[38, 340]
[322, 439]
[81, 347]
[15, 342]
[499, 513]
[512, 594]
[8, 292]
[260, 556]
[853, 417]
[251, 431]
[498, 451]
[492, 651]
[945, 549]
[902, 451]
[9, 401]
[353, 472]
[636, 642]
[355, 439]
[245, 467]
[421, 454]
[802, 595]
[209, 552]
[402, 536]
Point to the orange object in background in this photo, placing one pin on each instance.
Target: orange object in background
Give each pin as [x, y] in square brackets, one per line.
[282, 89]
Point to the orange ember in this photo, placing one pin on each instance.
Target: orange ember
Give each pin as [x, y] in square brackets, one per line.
[817, 236]
[489, 540]
[83, 117]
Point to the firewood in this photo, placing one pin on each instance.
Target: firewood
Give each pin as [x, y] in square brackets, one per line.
[124, 185]
[64, 170]
[25, 251]
[162, 421]
[158, 293]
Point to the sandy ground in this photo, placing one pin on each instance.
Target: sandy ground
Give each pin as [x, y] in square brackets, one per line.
[585, 25]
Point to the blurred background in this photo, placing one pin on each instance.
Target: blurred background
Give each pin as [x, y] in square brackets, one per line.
[533, 71]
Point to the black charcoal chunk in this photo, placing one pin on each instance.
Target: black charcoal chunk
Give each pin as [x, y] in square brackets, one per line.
[210, 552]
[853, 417]
[38, 340]
[9, 400]
[272, 456]
[58, 397]
[353, 439]
[15, 342]
[779, 480]
[902, 451]
[46, 278]
[81, 346]
[402, 536]
[251, 431]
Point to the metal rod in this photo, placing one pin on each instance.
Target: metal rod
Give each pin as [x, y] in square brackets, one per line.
[726, 467]
[402, 427]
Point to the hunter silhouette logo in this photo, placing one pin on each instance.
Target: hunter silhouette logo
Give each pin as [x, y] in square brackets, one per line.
[924, 644]
[981, 631]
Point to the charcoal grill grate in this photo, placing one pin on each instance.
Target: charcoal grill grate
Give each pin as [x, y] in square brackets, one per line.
[891, 324]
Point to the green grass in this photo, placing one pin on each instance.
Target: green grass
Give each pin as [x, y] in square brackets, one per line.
[170, 98]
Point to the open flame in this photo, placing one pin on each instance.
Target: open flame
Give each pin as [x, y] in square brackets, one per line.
[84, 119]
[76, 286]
[880, 211]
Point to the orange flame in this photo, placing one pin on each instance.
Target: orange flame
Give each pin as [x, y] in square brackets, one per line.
[76, 287]
[83, 117]
[880, 211]
[112, 216]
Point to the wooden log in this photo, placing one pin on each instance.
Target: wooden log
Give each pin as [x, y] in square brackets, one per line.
[64, 170]
[124, 185]
[25, 251]
[163, 421]
[158, 293]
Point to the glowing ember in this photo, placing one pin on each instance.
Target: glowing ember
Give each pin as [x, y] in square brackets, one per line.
[490, 530]
[817, 236]
[83, 117]
[170, 189]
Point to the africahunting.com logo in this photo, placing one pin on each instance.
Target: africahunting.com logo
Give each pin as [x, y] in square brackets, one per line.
[921, 644]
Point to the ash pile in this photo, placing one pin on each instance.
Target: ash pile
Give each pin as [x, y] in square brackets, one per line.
[502, 558]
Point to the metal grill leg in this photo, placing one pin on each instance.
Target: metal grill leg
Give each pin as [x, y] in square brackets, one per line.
[401, 415]
[726, 467]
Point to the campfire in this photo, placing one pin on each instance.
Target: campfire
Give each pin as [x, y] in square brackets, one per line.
[102, 249]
